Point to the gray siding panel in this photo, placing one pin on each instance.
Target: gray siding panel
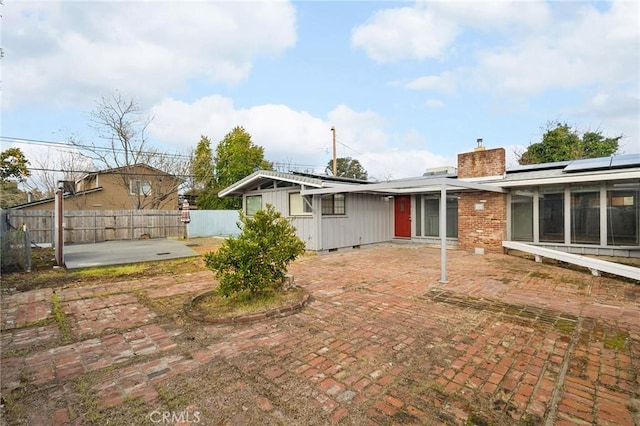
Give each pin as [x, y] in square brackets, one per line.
[369, 220]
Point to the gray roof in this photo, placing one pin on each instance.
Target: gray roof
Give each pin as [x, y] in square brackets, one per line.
[302, 179]
[625, 166]
[621, 167]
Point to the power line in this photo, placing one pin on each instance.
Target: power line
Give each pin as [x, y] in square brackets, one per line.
[27, 141]
[95, 148]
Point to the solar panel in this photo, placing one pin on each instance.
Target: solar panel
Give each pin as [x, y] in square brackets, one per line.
[539, 166]
[626, 160]
[617, 161]
[588, 164]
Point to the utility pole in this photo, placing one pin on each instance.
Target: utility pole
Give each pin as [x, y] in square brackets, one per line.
[335, 164]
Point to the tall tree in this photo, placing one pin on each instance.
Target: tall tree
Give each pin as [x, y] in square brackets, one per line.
[14, 165]
[13, 169]
[347, 167]
[561, 143]
[122, 125]
[202, 164]
[236, 157]
[200, 171]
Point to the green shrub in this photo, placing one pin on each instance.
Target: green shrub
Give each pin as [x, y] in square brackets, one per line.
[256, 261]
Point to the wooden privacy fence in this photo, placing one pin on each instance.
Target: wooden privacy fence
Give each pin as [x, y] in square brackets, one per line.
[91, 226]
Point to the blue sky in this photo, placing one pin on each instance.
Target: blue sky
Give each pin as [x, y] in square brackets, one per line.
[407, 85]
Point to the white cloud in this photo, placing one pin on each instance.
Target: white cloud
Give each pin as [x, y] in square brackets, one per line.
[567, 46]
[429, 29]
[613, 113]
[72, 51]
[295, 137]
[434, 103]
[593, 47]
[407, 32]
[494, 15]
[444, 83]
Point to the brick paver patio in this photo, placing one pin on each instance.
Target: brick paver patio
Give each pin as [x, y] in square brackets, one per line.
[505, 341]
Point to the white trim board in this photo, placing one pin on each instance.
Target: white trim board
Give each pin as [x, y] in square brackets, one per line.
[595, 265]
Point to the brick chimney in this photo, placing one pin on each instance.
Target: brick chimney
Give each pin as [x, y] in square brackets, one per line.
[481, 162]
[482, 215]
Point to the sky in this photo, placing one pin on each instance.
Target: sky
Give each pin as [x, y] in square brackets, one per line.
[407, 85]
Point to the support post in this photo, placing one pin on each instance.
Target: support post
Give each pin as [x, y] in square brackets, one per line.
[59, 224]
[443, 233]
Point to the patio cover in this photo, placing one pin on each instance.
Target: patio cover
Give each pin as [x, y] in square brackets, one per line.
[415, 186]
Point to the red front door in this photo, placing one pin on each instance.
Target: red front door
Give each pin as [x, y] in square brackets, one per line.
[402, 215]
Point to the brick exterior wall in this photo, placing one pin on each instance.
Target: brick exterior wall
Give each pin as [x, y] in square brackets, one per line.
[482, 229]
[488, 162]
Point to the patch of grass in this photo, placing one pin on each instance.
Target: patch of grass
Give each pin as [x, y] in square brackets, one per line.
[168, 307]
[60, 318]
[542, 275]
[568, 280]
[619, 341]
[44, 275]
[217, 306]
[88, 405]
[110, 271]
[565, 326]
[174, 401]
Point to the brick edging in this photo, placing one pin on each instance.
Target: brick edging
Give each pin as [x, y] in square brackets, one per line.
[259, 316]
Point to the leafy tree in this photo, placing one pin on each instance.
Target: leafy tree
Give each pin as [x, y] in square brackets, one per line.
[11, 195]
[256, 261]
[201, 169]
[236, 157]
[561, 143]
[14, 165]
[14, 169]
[202, 163]
[347, 167]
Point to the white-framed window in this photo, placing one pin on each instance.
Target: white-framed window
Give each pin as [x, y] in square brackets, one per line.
[254, 203]
[299, 205]
[139, 187]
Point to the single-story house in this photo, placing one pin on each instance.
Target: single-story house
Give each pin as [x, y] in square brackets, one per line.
[587, 206]
[123, 188]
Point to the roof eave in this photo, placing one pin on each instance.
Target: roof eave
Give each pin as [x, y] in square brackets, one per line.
[237, 189]
[573, 178]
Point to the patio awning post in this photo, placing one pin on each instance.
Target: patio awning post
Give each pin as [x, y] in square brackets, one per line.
[443, 233]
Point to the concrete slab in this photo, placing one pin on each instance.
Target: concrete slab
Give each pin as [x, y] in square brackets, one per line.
[121, 252]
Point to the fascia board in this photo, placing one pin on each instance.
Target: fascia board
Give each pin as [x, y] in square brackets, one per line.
[572, 179]
[409, 186]
[265, 175]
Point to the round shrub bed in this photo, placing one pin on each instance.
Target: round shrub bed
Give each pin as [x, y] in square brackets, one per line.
[208, 307]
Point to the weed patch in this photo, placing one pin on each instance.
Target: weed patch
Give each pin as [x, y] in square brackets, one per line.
[618, 341]
[60, 318]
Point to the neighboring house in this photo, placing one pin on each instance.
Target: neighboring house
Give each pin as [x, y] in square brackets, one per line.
[583, 206]
[138, 187]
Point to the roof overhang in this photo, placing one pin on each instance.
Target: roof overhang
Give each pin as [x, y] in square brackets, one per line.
[408, 187]
[238, 188]
[573, 178]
